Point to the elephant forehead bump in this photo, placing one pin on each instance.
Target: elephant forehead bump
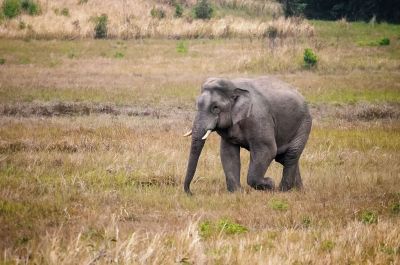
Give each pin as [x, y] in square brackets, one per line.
[204, 99]
[217, 84]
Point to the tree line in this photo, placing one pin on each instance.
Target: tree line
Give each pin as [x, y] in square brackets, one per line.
[352, 10]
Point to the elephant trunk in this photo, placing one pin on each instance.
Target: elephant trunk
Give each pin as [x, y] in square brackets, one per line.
[200, 132]
[195, 151]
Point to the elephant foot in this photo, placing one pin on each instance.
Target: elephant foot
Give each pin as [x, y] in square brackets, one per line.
[286, 187]
[264, 184]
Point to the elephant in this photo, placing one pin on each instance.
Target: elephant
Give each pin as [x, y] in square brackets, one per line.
[265, 116]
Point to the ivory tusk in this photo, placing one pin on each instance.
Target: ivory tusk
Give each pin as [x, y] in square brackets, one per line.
[206, 135]
[188, 133]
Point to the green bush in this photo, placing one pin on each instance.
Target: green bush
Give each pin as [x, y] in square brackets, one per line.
[369, 217]
[203, 10]
[31, 7]
[310, 59]
[11, 8]
[157, 12]
[65, 12]
[100, 28]
[384, 42]
[178, 10]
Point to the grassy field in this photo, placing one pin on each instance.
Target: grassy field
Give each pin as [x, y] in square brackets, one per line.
[92, 157]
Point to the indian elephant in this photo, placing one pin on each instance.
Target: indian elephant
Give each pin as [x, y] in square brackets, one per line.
[266, 116]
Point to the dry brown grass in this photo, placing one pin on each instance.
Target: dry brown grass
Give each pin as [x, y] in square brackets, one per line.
[132, 19]
[92, 158]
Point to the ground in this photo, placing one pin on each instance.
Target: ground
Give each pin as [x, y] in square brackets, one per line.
[92, 157]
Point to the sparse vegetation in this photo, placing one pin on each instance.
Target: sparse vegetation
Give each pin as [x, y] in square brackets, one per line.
[64, 12]
[182, 47]
[157, 12]
[101, 27]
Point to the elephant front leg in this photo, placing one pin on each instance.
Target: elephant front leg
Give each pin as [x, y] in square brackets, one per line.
[259, 163]
[230, 158]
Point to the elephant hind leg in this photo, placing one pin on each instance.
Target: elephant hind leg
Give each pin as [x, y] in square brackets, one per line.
[290, 159]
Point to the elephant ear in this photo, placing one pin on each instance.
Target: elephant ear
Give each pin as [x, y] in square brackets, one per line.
[242, 106]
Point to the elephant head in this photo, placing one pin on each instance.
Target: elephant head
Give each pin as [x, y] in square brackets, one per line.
[220, 105]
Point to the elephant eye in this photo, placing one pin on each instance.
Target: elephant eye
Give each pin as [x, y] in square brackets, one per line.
[215, 109]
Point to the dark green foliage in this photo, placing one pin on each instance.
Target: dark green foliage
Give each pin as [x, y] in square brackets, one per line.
[11, 8]
[310, 59]
[157, 12]
[384, 42]
[100, 28]
[31, 7]
[381, 10]
[2, 61]
[203, 10]
[178, 10]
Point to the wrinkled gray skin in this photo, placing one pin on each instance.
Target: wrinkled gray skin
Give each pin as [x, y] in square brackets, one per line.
[265, 116]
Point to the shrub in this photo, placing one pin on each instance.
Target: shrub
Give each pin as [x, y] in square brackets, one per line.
[327, 245]
[31, 7]
[369, 217]
[178, 10]
[11, 8]
[2, 61]
[384, 42]
[118, 55]
[395, 208]
[203, 10]
[310, 59]
[65, 12]
[157, 12]
[81, 2]
[100, 28]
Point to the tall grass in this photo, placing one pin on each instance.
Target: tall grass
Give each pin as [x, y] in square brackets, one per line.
[132, 19]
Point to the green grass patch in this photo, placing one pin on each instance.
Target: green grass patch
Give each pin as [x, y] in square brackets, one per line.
[350, 96]
[368, 217]
[278, 205]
